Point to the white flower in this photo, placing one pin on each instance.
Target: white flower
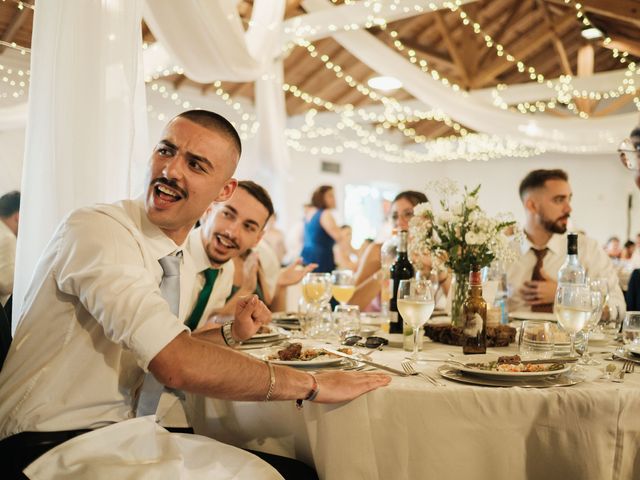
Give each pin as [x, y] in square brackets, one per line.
[457, 209]
[471, 202]
[422, 209]
[444, 217]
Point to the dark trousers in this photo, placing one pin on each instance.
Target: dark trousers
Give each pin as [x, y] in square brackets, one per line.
[18, 451]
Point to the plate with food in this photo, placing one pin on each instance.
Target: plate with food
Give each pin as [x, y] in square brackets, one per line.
[452, 373]
[507, 367]
[297, 355]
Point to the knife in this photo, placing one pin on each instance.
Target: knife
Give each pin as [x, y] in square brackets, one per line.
[368, 362]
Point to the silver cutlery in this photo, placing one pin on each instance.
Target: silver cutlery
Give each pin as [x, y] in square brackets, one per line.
[367, 361]
[628, 366]
[408, 367]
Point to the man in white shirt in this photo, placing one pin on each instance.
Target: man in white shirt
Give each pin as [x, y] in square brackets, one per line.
[232, 231]
[9, 217]
[94, 319]
[546, 197]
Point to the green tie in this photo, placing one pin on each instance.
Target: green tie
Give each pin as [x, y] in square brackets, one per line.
[210, 275]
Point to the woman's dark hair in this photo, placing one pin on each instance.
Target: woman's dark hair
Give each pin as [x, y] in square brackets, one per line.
[412, 196]
[317, 198]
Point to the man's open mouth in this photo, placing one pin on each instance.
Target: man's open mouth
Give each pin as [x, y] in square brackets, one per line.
[166, 193]
[226, 242]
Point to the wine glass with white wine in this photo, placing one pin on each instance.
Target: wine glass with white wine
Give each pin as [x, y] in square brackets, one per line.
[342, 285]
[415, 305]
[573, 309]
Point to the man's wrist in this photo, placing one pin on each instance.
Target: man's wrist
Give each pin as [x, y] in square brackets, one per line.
[227, 334]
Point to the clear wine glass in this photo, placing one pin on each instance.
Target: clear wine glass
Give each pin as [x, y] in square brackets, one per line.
[415, 305]
[343, 285]
[573, 309]
[599, 296]
[316, 291]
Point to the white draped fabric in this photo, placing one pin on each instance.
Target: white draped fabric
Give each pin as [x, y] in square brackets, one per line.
[599, 135]
[207, 39]
[139, 448]
[87, 118]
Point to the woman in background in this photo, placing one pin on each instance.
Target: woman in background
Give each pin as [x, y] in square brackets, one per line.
[320, 230]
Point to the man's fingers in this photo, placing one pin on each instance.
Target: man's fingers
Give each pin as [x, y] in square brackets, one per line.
[310, 267]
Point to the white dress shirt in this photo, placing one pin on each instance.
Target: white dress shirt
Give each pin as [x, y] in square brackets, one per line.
[7, 261]
[591, 255]
[92, 320]
[221, 287]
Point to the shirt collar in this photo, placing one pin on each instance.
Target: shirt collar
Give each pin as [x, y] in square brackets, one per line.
[198, 252]
[156, 240]
[555, 244]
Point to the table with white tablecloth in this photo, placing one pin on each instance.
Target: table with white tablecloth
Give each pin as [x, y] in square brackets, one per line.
[413, 429]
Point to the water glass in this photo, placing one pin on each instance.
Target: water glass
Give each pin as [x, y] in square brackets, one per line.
[536, 339]
[346, 320]
[573, 309]
[631, 328]
[415, 305]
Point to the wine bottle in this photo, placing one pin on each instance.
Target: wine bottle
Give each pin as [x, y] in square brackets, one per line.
[474, 311]
[388, 254]
[400, 270]
[572, 271]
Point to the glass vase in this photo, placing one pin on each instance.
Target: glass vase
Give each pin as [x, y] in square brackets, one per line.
[459, 289]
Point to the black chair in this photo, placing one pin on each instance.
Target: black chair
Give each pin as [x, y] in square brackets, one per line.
[632, 295]
[5, 335]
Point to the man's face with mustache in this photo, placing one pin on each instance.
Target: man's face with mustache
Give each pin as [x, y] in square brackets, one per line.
[190, 167]
[231, 228]
[552, 205]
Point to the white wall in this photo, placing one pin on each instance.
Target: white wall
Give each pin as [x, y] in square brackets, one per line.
[600, 185]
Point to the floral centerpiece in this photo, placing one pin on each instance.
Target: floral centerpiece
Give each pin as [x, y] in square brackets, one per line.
[459, 235]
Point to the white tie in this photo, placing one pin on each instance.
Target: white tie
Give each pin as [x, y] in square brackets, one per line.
[170, 291]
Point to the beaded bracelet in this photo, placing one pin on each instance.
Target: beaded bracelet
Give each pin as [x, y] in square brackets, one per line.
[312, 394]
[272, 381]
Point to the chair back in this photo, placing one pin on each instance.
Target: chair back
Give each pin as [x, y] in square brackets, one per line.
[5, 334]
[632, 295]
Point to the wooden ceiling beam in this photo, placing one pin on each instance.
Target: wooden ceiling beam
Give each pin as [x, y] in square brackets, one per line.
[585, 68]
[557, 42]
[614, 106]
[621, 10]
[502, 29]
[525, 46]
[621, 43]
[19, 17]
[429, 54]
[452, 48]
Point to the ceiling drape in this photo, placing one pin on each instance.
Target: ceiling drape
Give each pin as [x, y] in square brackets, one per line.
[87, 135]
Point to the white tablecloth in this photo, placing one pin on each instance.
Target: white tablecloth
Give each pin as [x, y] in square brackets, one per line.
[413, 430]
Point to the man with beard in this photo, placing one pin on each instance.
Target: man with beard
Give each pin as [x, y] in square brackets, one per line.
[103, 309]
[229, 240]
[546, 197]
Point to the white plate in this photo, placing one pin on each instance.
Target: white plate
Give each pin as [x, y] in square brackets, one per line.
[321, 361]
[451, 373]
[466, 359]
[634, 349]
[529, 315]
[275, 331]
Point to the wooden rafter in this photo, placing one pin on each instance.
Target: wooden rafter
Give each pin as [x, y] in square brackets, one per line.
[621, 10]
[429, 54]
[452, 47]
[555, 38]
[586, 64]
[525, 46]
[516, 11]
[614, 106]
[15, 24]
[622, 43]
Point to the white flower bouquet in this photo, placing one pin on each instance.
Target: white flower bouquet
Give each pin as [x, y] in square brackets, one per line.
[459, 235]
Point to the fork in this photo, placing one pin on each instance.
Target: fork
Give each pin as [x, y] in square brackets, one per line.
[628, 366]
[408, 367]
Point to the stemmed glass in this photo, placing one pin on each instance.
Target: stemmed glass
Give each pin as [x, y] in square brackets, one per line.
[573, 309]
[316, 291]
[415, 305]
[599, 296]
[343, 285]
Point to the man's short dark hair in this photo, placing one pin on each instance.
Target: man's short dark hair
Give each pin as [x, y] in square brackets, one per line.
[537, 178]
[635, 132]
[259, 193]
[213, 121]
[412, 196]
[9, 204]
